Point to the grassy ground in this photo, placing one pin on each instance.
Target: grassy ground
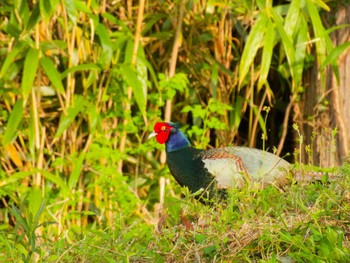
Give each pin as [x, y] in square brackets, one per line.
[304, 222]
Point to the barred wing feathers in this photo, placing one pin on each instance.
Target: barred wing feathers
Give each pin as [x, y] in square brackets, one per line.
[233, 166]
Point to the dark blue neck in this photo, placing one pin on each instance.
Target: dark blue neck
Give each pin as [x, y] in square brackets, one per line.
[176, 141]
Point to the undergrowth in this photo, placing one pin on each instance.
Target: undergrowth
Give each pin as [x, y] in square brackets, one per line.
[306, 222]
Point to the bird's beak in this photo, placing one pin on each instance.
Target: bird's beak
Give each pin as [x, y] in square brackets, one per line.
[153, 134]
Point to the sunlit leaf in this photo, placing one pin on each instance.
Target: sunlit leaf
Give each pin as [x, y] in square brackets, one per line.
[292, 16]
[324, 43]
[55, 178]
[254, 42]
[21, 175]
[93, 117]
[81, 67]
[15, 118]
[15, 177]
[18, 215]
[71, 10]
[72, 112]
[300, 51]
[29, 71]
[8, 61]
[319, 30]
[286, 41]
[35, 200]
[322, 4]
[106, 54]
[52, 73]
[142, 71]
[46, 8]
[82, 6]
[267, 54]
[236, 113]
[34, 17]
[74, 176]
[131, 78]
[335, 53]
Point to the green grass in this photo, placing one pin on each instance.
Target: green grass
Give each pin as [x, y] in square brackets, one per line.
[301, 223]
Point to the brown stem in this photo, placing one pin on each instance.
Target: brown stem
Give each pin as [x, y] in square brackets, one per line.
[255, 124]
[285, 127]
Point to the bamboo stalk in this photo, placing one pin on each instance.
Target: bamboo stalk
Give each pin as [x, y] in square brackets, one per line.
[129, 93]
[172, 67]
[173, 60]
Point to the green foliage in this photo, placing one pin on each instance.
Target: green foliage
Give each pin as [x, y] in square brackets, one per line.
[169, 86]
[209, 117]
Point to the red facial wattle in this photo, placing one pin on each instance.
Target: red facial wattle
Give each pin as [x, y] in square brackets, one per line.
[163, 131]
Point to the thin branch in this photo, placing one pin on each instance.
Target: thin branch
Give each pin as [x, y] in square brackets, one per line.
[285, 126]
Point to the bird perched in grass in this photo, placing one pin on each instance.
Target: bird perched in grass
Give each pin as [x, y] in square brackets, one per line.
[215, 170]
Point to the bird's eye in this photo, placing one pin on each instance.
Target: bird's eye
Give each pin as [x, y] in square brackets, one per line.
[163, 128]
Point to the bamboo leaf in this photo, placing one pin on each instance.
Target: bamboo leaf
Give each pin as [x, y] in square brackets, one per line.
[13, 122]
[236, 113]
[254, 42]
[322, 4]
[131, 78]
[324, 43]
[74, 176]
[300, 50]
[93, 118]
[107, 53]
[72, 112]
[15, 177]
[292, 16]
[334, 54]
[35, 200]
[267, 54]
[318, 29]
[39, 212]
[56, 179]
[71, 10]
[81, 67]
[34, 17]
[52, 73]
[21, 175]
[18, 215]
[286, 41]
[45, 8]
[23, 10]
[8, 61]
[150, 69]
[142, 71]
[29, 71]
[82, 6]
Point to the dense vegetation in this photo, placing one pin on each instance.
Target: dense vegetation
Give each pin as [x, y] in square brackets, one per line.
[82, 84]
